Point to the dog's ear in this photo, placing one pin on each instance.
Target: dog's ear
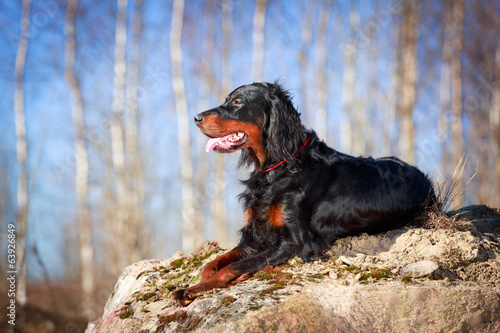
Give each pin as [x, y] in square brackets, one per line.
[285, 132]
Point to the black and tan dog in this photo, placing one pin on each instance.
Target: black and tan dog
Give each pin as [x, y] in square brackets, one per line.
[302, 195]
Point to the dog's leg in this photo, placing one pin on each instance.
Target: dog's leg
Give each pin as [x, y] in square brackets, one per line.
[214, 266]
[220, 280]
[271, 257]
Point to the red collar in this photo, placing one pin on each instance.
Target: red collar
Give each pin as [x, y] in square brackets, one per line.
[280, 163]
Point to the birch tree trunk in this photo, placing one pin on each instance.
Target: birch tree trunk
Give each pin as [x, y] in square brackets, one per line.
[321, 116]
[445, 84]
[306, 37]
[390, 117]
[21, 154]
[219, 206]
[348, 80]
[259, 20]
[136, 194]
[81, 164]
[374, 95]
[409, 35]
[456, 89]
[495, 132]
[119, 225]
[189, 233]
[207, 80]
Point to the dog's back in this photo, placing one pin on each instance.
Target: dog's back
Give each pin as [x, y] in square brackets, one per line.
[367, 195]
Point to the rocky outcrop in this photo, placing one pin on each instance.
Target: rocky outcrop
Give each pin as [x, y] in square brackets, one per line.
[407, 280]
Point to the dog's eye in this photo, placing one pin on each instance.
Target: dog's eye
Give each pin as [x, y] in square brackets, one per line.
[237, 102]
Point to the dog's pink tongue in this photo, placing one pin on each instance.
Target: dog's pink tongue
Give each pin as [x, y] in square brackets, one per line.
[222, 142]
[211, 144]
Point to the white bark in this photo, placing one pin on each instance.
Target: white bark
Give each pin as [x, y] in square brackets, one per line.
[444, 87]
[411, 16]
[21, 154]
[81, 165]
[219, 205]
[322, 88]
[119, 225]
[456, 89]
[306, 37]
[139, 236]
[346, 128]
[495, 130]
[188, 213]
[206, 89]
[259, 20]
[390, 117]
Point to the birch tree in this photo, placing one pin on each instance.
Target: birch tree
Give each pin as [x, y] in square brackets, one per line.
[206, 88]
[219, 206]
[390, 116]
[346, 128]
[189, 240]
[81, 164]
[456, 91]
[495, 129]
[444, 88]
[21, 153]
[135, 176]
[118, 227]
[408, 70]
[321, 116]
[259, 20]
[306, 38]
[374, 89]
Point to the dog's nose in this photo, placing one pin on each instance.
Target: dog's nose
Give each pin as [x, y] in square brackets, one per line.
[198, 119]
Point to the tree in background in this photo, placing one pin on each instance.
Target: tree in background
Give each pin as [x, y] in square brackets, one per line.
[408, 72]
[189, 233]
[457, 18]
[348, 84]
[81, 165]
[22, 152]
[259, 21]
[135, 179]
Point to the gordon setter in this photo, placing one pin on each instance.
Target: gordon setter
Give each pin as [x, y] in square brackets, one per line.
[302, 195]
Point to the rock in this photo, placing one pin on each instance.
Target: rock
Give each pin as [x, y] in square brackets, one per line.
[139, 304]
[347, 261]
[419, 268]
[326, 296]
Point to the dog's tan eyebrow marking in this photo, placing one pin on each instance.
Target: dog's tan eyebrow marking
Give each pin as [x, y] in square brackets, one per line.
[235, 95]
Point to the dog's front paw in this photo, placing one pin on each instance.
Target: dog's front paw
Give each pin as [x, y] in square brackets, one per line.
[184, 297]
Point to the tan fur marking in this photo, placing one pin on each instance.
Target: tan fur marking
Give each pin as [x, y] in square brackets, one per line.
[275, 215]
[248, 216]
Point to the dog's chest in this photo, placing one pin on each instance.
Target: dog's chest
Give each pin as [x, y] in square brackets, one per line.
[272, 216]
[266, 204]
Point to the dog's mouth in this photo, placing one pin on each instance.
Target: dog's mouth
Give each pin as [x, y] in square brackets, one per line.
[226, 143]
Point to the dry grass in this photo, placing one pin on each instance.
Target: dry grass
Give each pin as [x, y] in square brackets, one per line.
[449, 193]
[453, 192]
[440, 220]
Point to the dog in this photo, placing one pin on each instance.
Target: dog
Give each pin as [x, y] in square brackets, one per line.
[302, 195]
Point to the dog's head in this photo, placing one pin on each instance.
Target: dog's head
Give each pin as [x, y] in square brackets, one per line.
[257, 118]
